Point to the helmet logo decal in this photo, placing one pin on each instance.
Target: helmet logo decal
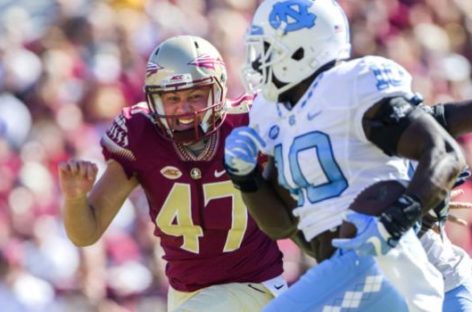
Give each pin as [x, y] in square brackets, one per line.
[152, 68]
[293, 13]
[177, 79]
[207, 61]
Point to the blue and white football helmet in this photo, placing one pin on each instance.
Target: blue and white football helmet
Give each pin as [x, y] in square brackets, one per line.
[290, 40]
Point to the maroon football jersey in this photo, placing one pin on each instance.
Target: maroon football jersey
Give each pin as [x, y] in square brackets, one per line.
[206, 232]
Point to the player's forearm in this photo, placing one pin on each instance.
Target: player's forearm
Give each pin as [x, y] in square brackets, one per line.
[439, 157]
[438, 167]
[299, 239]
[458, 116]
[80, 221]
[269, 212]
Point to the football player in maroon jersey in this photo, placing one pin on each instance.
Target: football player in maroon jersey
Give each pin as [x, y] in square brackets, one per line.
[173, 146]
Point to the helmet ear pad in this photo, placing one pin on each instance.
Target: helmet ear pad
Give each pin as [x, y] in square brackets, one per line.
[299, 54]
[296, 56]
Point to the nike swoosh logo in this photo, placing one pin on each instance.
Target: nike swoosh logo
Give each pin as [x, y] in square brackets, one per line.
[313, 116]
[219, 174]
[278, 286]
[255, 288]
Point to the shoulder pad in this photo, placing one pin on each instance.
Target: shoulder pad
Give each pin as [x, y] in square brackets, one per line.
[387, 73]
[240, 105]
[116, 138]
[378, 78]
[115, 141]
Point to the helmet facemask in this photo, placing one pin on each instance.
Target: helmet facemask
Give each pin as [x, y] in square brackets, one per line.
[205, 121]
[260, 57]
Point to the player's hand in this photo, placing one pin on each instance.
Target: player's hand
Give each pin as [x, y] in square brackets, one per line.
[440, 213]
[455, 205]
[241, 149]
[372, 239]
[76, 178]
[437, 217]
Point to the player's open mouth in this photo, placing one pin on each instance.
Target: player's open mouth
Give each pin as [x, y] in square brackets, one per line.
[185, 121]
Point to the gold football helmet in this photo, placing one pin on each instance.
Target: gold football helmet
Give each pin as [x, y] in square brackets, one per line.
[180, 63]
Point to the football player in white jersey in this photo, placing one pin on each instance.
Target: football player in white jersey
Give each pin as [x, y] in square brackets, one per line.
[332, 128]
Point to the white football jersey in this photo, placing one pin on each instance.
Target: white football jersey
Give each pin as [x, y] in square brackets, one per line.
[319, 146]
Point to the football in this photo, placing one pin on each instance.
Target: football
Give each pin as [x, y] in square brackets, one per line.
[373, 200]
[376, 198]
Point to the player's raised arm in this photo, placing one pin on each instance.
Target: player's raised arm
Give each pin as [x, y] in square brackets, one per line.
[398, 128]
[90, 207]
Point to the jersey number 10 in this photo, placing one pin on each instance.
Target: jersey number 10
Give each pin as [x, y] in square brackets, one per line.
[320, 143]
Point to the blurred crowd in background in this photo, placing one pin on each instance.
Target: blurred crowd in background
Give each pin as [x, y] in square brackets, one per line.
[67, 67]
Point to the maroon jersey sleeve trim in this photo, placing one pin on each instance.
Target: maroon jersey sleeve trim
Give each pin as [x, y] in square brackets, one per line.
[115, 143]
[114, 148]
